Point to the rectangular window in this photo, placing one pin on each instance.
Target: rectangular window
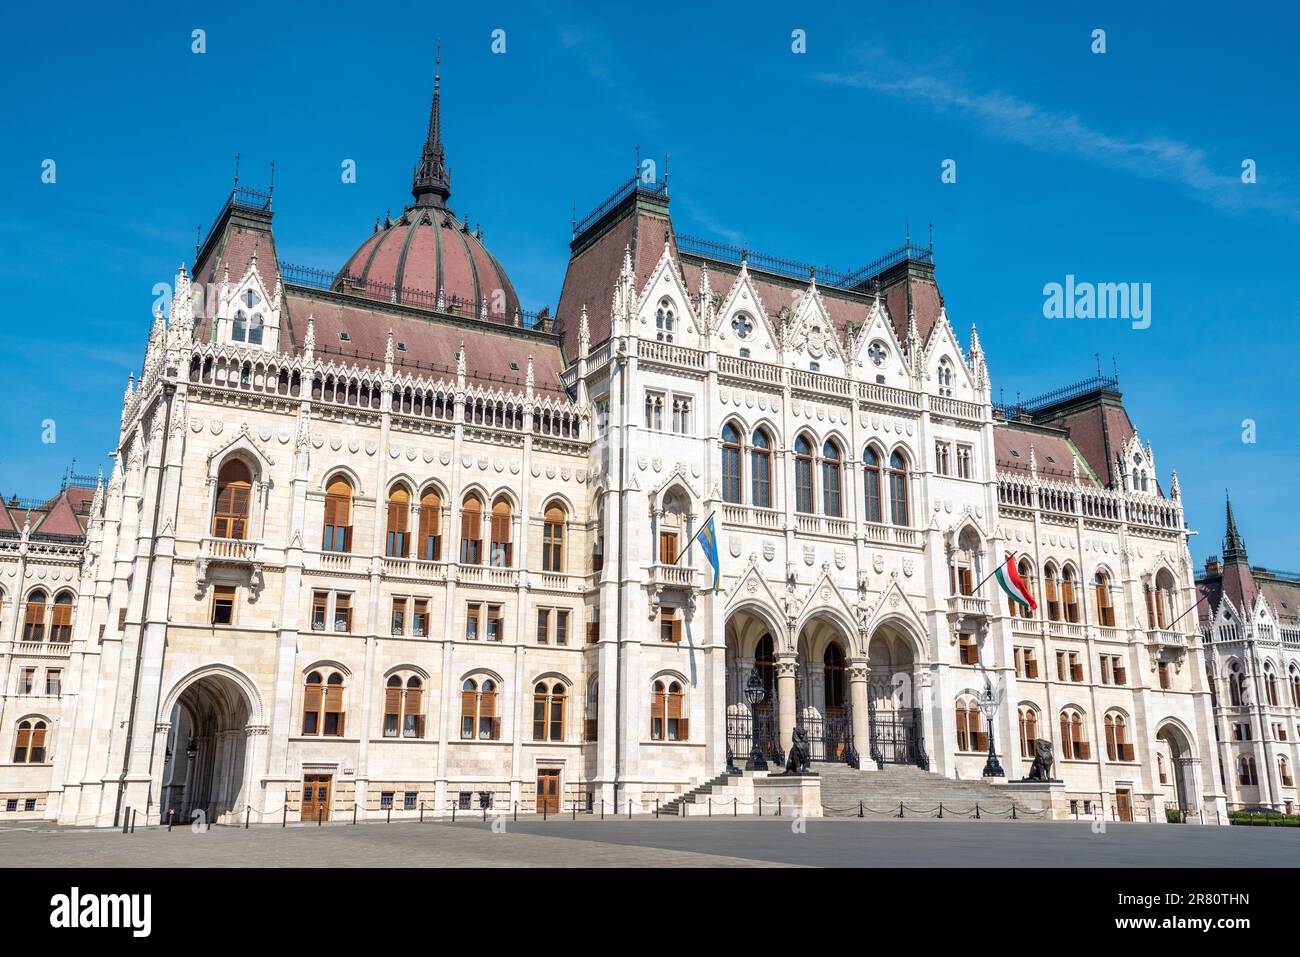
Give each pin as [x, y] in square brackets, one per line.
[399, 616]
[668, 548]
[343, 613]
[223, 605]
[1030, 662]
[1060, 666]
[670, 625]
[1164, 675]
[561, 627]
[543, 625]
[29, 804]
[121, 619]
[420, 618]
[942, 465]
[681, 415]
[471, 623]
[1105, 669]
[408, 800]
[53, 682]
[11, 804]
[320, 602]
[386, 801]
[1076, 669]
[495, 623]
[969, 650]
[654, 411]
[27, 681]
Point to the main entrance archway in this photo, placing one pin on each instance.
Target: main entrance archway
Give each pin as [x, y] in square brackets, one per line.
[894, 704]
[1176, 765]
[751, 646]
[206, 757]
[822, 703]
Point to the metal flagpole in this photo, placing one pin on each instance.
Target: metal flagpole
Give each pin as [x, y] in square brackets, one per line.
[1199, 599]
[976, 589]
[692, 539]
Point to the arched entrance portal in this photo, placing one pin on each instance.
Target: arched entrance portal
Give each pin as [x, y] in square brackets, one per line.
[750, 646]
[894, 704]
[1176, 766]
[206, 751]
[822, 705]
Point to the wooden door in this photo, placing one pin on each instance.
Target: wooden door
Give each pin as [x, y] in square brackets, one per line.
[548, 790]
[316, 797]
[1124, 805]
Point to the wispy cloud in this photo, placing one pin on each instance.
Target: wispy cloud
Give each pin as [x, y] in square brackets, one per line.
[1018, 120]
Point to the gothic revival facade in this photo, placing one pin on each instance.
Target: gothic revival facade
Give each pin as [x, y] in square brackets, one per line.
[1250, 625]
[377, 540]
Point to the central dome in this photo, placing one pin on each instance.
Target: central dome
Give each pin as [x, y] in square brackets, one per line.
[427, 257]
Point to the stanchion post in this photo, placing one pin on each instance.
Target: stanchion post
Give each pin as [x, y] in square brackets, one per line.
[171, 818]
[247, 809]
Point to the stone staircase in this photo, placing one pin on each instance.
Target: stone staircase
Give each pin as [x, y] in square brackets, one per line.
[720, 790]
[920, 792]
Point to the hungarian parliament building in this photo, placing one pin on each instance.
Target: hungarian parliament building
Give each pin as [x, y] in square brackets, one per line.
[378, 541]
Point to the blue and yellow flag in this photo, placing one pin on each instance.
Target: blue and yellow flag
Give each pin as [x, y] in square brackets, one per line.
[709, 542]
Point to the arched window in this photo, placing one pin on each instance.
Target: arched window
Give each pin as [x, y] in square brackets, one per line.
[665, 320]
[1284, 772]
[1070, 596]
[1295, 689]
[1160, 601]
[1117, 746]
[430, 543]
[945, 377]
[871, 484]
[833, 678]
[1028, 731]
[399, 522]
[403, 707]
[478, 711]
[234, 487]
[832, 499]
[969, 735]
[322, 705]
[1160, 768]
[248, 323]
[34, 617]
[1052, 586]
[501, 520]
[1105, 607]
[1270, 683]
[338, 516]
[1246, 771]
[553, 539]
[760, 460]
[61, 617]
[803, 475]
[898, 506]
[471, 530]
[1236, 684]
[29, 743]
[1026, 572]
[964, 570]
[1074, 737]
[667, 722]
[731, 477]
[548, 711]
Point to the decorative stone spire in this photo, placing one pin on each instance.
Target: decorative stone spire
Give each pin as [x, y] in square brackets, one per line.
[1074, 468]
[388, 354]
[528, 379]
[1234, 548]
[706, 298]
[1174, 490]
[460, 365]
[309, 341]
[432, 182]
[584, 336]
[1033, 463]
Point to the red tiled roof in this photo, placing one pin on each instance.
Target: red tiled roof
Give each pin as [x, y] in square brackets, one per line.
[431, 341]
[1099, 431]
[1053, 452]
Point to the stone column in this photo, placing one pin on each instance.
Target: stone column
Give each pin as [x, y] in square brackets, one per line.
[859, 682]
[785, 695]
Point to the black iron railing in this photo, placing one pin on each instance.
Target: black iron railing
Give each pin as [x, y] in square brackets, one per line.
[633, 185]
[793, 269]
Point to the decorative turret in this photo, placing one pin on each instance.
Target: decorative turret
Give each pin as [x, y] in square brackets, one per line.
[388, 356]
[309, 340]
[460, 366]
[584, 335]
[1234, 548]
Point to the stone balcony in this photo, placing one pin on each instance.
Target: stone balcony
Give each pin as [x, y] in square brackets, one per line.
[232, 551]
[1164, 640]
[673, 576]
[969, 606]
[42, 649]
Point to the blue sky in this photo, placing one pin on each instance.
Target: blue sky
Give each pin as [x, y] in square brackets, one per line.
[1119, 167]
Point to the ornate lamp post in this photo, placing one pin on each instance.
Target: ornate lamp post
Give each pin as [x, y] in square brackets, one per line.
[989, 705]
[755, 693]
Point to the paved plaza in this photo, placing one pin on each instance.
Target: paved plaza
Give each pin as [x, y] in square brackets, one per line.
[560, 842]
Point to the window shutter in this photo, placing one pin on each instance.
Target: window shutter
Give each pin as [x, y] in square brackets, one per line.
[22, 744]
[467, 700]
[488, 714]
[334, 705]
[392, 701]
[311, 703]
[38, 741]
[677, 627]
[656, 706]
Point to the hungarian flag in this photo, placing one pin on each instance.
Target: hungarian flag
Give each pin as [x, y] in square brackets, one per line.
[1013, 585]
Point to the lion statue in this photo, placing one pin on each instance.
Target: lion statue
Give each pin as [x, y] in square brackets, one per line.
[797, 762]
[1041, 769]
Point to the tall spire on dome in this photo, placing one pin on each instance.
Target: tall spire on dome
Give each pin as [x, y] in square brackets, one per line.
[432, 184]
[1234, 549]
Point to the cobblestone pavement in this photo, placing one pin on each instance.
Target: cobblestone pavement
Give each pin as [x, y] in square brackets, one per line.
[661, 843]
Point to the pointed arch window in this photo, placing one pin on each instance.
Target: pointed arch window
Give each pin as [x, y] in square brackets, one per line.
[404, 707]
[471, 530]
[247, 325]
[322, 706]
[1284, 771]
[553, 540]
[61, 617]
[1105, 607]
[1117, 746]
[1026, 573]
[871, 484]
[234, 489]
[1070, 596]
[760, 459]
[803, 475]
[665, 320]
[832, 475]
[1246, 774]
[731, 464]
[1052, 587]
[34, 617]
[899, 513]
[548, 711]
[501, 552]
[430, 543]
[969, 735]
[1074, 739]
[399, 522]
[337, 536]
[945, 377]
